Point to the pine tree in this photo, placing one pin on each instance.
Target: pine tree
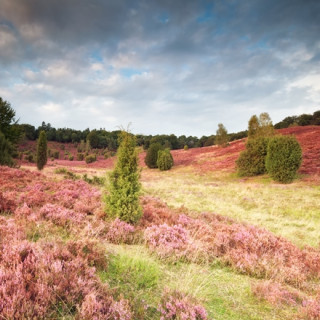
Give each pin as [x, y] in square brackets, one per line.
[124, 187]
[42, 150]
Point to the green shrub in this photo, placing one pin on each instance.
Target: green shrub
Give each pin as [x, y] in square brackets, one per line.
[71, 157]
[251, 161]
[152, 155]
[185, 147]
[80, 156]
[55, 154]
[5, 151]
[81, 147]
[94, 180]
[221, 138]
[165, 160]
[91, 158]
[124, 187]
[284, 158]
[42, 150]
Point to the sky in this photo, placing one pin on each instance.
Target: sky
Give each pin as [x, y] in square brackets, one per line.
[169, 66]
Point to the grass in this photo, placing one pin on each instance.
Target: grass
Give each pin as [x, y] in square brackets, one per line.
[291, 211]
[139, 276]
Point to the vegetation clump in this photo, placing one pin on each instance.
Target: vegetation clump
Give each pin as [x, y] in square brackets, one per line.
[124, 187]
[90, 158]
[5, 151]
[251, 161]
[221, 138]
[284, 158]
[165, 160]
[260, 127]
[152, 155]
[42, 151]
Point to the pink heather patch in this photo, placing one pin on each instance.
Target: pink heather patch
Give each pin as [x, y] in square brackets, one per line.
[10, 231]
[7, 202]
[311, 308]
[23, 211]
[60, 215]
[175, 305]
[98, 307]
[167, 241]
[34, 278]
[120, 232]
[276, 294]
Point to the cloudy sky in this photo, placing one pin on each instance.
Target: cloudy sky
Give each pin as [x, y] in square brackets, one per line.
[169, 66]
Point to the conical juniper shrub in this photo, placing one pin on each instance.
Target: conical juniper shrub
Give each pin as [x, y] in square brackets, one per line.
[251, 161]
[122, 200]
[152, 155]
[42, 150]
[5, 151]
[284, 157]
[165, 160]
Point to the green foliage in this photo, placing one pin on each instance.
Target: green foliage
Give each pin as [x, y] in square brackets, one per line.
[152, 155]
[165, 160]
[71, 157]
[260, 127]
[81, 147]
[221, 138]
[5, 151]
[42, 151]
[186, 147]
[80, 156]
[55, 154]
[91, 158]
[93, 139]
[94, 180]
[124, 186]
[10, 133]
[253, 126]
[251, 161]
[284, 158]
[8, 124]
[133, 272]
[30, 157]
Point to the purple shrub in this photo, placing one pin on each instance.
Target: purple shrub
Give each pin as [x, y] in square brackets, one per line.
[100, 307]
[168, 241]
[120, 232]
[175, 305]
[60, 215]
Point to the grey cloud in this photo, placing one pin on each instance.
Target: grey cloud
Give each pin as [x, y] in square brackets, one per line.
[210, 63]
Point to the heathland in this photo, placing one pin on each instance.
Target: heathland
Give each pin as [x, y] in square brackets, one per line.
[210, 244]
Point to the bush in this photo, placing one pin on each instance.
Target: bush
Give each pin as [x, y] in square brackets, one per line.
[251, 161]
[176, 305]
[221, 138]
[284, 158]
[55, 154]
[91, 158]
[152, 155]
[185, 147]
[124, 186]
[165, 160]
[42, 151]
[71, 157]
[80, 156]
[5, 151]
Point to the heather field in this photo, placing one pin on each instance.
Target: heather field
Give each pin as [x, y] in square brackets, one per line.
[210, 245]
